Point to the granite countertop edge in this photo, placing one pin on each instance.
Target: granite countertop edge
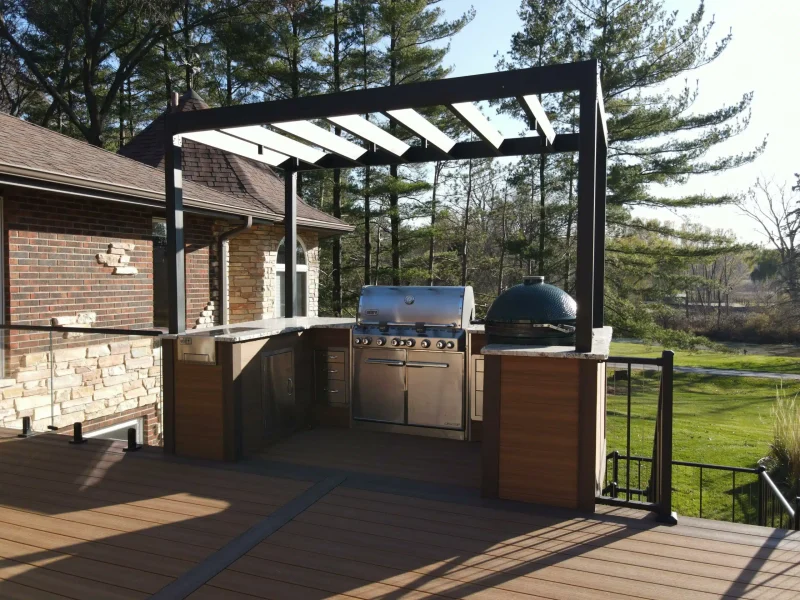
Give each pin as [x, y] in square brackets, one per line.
[601, 346]
[270, 328]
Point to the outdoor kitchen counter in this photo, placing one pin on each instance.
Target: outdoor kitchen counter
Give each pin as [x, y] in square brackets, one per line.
[601, 344]
[271, 327]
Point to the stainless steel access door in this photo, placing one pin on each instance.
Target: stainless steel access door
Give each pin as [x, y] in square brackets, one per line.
[278, 398]
[435, 389]
[379, 385]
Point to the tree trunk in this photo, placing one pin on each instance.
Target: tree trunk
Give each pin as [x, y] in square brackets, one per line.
[367, 232]
[542, 214]
[394, 209]
[437, 170]
[464, 246]
[503, 236]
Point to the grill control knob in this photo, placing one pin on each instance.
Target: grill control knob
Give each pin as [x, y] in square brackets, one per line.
[449, 344]
[397, 342]
[425, 343]
[366, 341]
[357, 341]
[410, 343]
[380, 341]
[440, 344]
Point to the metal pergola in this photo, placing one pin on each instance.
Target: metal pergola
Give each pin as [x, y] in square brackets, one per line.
[260, 132]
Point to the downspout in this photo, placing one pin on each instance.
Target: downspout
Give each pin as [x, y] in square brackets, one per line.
[223, 267]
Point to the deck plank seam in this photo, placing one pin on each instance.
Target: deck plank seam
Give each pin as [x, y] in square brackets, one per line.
[220, 560]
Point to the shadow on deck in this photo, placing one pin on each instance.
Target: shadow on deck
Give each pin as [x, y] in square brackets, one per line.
[90, 522]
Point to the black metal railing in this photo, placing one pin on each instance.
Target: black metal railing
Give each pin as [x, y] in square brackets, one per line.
[759, 501]
[657, 494]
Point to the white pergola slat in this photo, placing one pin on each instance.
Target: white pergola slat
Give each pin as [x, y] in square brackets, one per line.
[234, 145]
[535, 111]
[370, 132]
[277, 142]
[410, 118]
[474, 118]
[322, 138]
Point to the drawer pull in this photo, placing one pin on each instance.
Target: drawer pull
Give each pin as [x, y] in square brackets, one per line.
[333, 370]
[334, 391]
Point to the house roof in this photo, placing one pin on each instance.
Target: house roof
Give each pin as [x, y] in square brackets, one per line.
[247, 180]
[35, 157]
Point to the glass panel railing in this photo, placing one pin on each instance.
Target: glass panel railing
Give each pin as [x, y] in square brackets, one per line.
[107, 380]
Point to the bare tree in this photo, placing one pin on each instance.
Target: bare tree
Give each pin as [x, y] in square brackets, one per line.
[774, 208]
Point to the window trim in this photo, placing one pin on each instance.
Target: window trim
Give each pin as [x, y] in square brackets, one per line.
[281, 268]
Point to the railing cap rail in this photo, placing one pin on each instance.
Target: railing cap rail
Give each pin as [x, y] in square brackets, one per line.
[84, 330]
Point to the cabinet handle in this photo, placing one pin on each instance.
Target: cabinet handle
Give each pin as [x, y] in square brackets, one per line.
[334, 391]
[333, 370]
[289, 386]
[332, 356]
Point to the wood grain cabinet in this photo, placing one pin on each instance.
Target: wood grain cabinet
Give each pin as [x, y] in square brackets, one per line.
[332, 368]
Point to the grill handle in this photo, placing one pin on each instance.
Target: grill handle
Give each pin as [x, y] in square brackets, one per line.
[385, 361]
[435, 365]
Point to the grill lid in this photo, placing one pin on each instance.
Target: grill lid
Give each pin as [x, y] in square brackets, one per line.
[444, 306]
[533, 302]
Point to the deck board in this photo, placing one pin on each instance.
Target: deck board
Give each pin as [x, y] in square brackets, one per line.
[90, 522]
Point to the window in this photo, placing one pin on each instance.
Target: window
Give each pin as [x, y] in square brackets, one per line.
[300, 282]
[160, 279]
[119, 432]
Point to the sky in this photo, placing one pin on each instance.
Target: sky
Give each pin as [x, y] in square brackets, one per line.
[762, 57]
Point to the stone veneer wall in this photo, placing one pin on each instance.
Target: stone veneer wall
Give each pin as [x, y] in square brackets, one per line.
[100, 379]
[252, 256]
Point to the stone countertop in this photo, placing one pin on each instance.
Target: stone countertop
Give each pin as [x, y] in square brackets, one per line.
[271, 327]
[476, 328]
[601, 345]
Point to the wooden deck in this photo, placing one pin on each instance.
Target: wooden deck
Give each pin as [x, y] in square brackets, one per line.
[90, 522]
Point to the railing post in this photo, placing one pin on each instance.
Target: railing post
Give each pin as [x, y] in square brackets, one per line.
[615, 474]
[762, 497]
[665, 441]
[77, 434]
[797, 513]
[26, 427]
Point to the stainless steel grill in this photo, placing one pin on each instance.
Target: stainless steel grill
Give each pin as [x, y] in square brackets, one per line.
[410, 355]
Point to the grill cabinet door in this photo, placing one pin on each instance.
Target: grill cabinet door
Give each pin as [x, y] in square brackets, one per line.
[379, 383]
[436, 389]
[278, 401]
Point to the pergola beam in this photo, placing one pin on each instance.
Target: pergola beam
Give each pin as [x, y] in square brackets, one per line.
[473, 118]
[322, 138]
[420, 126]
[235, 145]
[474, 88]
[371, 133]
[460, 151]
[537, 116]
[276, 142]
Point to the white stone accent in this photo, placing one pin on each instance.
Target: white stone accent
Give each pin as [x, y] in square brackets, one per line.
[125, 270]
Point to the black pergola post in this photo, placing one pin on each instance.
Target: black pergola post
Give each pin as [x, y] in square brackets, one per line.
[587, 188]
[176, 268]
[290, 241]
[600, 228]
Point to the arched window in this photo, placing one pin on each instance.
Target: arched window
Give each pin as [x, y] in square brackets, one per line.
[300, 282]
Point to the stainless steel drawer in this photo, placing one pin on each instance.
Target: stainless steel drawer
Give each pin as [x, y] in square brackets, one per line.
[332, 356]
[333, 371]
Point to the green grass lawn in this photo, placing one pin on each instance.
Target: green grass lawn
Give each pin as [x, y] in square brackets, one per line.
[713, 360]
[718, 420]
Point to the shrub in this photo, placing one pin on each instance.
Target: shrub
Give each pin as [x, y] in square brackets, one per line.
[785, 447]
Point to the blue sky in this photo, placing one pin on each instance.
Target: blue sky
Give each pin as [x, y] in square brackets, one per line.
[763, 58]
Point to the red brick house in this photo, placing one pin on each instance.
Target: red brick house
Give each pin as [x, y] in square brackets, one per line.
[83, 237]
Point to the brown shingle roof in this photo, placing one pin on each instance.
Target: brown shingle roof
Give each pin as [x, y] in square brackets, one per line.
[34, 153]
[248, 180]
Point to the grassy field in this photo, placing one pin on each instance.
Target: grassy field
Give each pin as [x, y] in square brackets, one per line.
[718, 420]
[714, 360]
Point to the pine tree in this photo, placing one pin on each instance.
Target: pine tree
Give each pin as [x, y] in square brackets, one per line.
[412, 28]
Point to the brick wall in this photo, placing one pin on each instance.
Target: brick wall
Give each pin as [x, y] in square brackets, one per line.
[52, 243]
